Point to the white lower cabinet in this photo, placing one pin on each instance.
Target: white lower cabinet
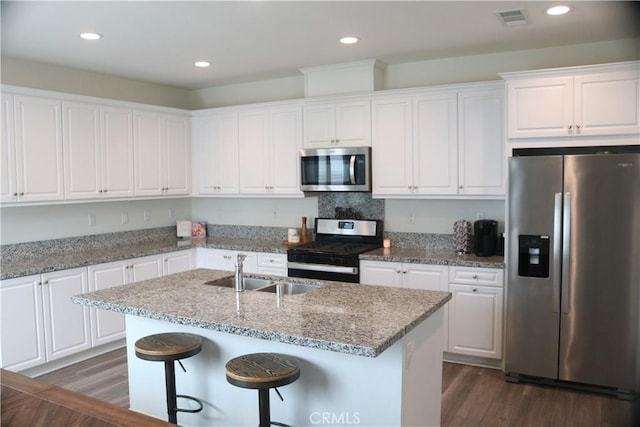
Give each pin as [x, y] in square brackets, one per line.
[408, 275]
[39, 322]
[472, 319]
[177, 262]
[275, 264]
[108, 326]
[475, 311]
[222, 259]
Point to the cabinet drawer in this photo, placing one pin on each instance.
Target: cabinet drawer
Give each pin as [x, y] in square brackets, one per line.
[476, 276]
[272, 260]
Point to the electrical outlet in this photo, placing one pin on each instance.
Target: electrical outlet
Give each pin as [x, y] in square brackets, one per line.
[146, 215]
[412, 218]
[275, 213]
[172, 213]
[92, 220]
[124, 217]
[480, 215]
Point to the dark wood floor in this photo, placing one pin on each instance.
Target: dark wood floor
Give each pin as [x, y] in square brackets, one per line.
[471, 396]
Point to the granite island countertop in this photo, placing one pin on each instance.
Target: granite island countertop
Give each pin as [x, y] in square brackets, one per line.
[355, 319]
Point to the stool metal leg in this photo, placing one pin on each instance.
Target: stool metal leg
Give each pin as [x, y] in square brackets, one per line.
[170, 381]
[263, 407]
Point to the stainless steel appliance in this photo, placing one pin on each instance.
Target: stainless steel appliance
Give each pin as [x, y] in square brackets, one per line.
[333, 255]
[336, 169]
[573, 294]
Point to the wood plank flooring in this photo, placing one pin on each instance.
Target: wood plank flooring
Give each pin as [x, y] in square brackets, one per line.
[471, 396]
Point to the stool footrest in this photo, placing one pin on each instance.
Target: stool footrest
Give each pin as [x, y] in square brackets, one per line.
[193, 411]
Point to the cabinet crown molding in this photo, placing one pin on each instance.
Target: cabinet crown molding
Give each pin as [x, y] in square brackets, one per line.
[573, 71]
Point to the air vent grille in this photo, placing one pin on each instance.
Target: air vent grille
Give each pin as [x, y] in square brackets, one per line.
[511, 18]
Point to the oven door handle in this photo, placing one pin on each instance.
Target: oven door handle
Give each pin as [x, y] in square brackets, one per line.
[322, 267]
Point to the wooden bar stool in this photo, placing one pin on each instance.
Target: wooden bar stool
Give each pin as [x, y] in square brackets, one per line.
[167, 348]
[263, 371]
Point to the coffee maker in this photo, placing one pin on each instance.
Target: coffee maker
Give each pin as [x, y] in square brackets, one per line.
[485, 237]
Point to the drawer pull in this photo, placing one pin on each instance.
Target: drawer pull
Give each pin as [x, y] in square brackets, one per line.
[475, 276]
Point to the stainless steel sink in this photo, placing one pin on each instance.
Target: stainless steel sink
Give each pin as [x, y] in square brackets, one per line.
[265, 285]
[250, 283]
[290, 288]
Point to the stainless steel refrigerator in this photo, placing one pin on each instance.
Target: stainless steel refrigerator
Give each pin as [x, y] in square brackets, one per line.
[573, 291]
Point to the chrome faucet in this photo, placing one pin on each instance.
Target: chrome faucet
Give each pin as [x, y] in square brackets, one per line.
[239, 274]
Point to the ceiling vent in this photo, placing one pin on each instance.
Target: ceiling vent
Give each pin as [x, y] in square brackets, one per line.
[511, 18]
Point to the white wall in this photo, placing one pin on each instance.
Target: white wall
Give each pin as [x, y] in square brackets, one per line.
[30, 223]
[438, 216]
[19, 72]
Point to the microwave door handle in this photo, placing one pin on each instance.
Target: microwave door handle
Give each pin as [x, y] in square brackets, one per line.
[352, 170]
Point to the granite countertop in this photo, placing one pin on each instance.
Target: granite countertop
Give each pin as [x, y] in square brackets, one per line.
[432, 256]
[355, 319]
[52, 258]
[46, 261]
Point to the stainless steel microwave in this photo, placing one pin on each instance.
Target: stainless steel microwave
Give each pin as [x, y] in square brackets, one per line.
[336, 169]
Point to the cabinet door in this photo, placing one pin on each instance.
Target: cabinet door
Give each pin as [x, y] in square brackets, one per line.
[540, 107]
[435, 155]
[177, 262]
[392, 147]
[82, 156]
[431, 278]
[148, 153]
[66, 324]
[8, 185]
[144, 268]
[481, 159]
[607, 103]
[475, 321]
[381, 273]
[38, 136]
[22, 326]
[353, 124]
[216, 153]
[177, 154]
[253, 149]
[285, 137]
[106, 326]
[117, 152]
[319, 126]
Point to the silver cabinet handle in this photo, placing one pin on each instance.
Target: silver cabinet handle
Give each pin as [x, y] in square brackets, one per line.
[475, 289]
[570, 127]
[475, 276]
[460, 187]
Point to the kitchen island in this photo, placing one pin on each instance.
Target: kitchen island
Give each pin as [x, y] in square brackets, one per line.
[369, 355]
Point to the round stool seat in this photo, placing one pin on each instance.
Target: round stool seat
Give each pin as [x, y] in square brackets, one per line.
[262, 370]
[168, 346]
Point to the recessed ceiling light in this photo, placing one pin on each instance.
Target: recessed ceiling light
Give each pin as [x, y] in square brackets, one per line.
[91, 36]
[558, 10]
[349, 40]
[202, 64]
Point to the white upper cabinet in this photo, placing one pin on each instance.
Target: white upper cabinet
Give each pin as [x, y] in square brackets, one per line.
[435, 144]
[98, 151]
[481, 142]
[32, 143]
[574, 102]
[162, 150]
[269, 142]
[216, 153]
[439, 143]
[341, 124]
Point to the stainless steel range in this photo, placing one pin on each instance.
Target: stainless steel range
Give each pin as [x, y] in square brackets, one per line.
[334, 253]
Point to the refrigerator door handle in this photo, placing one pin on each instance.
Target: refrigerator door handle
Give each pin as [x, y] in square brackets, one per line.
[566, 252]
[557, 257]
